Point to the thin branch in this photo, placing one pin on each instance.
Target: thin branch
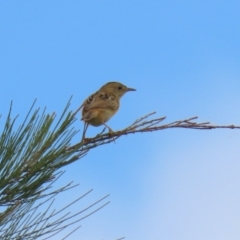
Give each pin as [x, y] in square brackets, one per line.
[144, 124]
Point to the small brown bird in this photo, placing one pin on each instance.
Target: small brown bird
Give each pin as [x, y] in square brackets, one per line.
[99, 107]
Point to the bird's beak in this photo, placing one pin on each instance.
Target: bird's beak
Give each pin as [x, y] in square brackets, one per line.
[131, 89]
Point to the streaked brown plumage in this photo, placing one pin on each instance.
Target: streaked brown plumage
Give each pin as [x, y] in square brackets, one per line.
[99, 107]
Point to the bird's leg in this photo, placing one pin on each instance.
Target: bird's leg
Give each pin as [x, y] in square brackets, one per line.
[110, 130]
[84, 130]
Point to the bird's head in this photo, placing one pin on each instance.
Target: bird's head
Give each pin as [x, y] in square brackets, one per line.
[117, 88]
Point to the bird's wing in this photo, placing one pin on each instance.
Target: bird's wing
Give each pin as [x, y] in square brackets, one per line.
[101, 100]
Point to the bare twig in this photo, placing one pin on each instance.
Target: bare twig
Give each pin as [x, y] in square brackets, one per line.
[142, 125]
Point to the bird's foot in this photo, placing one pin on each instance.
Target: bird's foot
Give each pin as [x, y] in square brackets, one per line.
[111, 132]
[85, 140]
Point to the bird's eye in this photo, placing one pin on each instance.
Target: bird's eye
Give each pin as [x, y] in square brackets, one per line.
[119, 88]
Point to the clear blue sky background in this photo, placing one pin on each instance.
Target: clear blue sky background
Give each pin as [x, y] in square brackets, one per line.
[183, 57]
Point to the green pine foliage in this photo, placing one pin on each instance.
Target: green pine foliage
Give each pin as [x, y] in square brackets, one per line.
[30, 158]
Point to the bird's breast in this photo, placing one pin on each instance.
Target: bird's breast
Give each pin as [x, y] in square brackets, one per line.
[98, 116]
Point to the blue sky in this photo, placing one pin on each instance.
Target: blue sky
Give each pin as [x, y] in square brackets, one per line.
[183, 58]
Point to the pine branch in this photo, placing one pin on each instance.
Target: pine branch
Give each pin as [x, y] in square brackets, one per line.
[142, 125]
[30, 156]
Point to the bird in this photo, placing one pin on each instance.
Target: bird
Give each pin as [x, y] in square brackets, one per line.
[100, 106]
